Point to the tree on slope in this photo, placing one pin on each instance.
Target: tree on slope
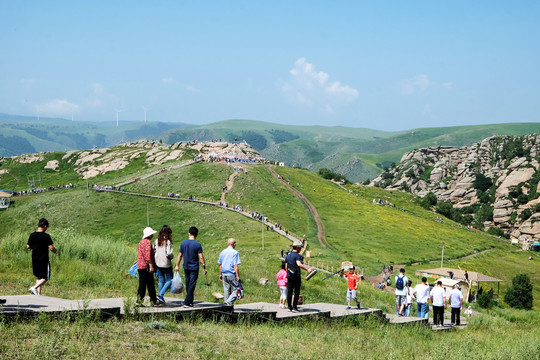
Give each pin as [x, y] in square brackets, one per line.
[519, 295]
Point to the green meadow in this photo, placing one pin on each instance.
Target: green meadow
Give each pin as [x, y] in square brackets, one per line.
[97, 235]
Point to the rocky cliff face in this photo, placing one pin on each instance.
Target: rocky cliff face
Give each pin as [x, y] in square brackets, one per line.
[91, 163]
[499, 172]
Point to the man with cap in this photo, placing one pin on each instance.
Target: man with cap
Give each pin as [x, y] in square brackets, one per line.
[145, 267]
[293, 264]
[456, 303]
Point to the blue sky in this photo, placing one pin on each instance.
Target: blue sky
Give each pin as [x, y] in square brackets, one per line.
[388, 65]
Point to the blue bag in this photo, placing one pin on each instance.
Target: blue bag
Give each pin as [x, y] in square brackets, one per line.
[133, 270]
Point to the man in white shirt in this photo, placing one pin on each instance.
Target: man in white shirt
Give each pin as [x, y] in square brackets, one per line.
[422, 299]
[455, 299]
[437, 299]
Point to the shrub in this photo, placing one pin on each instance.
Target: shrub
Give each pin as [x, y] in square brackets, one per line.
[428, 200]
[331, 175]
[519, 294]
[484, 300]
[482, 182]
[522, 199]
[493, 230]
[525, 214]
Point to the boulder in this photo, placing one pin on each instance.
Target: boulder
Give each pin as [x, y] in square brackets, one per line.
[513, 179]
[53, 165]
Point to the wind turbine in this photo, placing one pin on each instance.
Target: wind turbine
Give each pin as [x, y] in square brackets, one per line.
[117, 112]
[145, 110]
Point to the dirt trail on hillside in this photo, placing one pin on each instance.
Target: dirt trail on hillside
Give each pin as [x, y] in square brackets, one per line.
[320, 230]
[229, 184]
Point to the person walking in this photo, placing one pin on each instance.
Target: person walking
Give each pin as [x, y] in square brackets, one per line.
[401, 291]
[40, 243]
[163, 255]
[352, 285]
[437, 298]
[228, 261]
[410, 298]
[281, 277]
[145, 267]
[422, 299]
[192, 252]
[455, 299]
[293, 264]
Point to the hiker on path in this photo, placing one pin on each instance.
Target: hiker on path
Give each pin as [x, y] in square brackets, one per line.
[192, 252]
[163, 255]
[437, 298]
[145, 267]
[293, 264]
[410, 298]
[401, 292]
[422, 299]
[455, 299]
[281, 277]
[228, 261]
[40, 243]
[352, 285]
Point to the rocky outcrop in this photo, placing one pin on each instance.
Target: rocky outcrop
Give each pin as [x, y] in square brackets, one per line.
[510, 163]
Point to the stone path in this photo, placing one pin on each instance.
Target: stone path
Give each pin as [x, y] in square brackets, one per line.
[32, 306]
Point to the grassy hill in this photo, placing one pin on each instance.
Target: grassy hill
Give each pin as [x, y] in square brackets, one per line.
[97, 235]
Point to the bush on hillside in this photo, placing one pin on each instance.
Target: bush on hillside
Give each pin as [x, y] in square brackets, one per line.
[493, 230]
[523, 199]
[519, 295]
[482, 182]
[429, 200]
[484, 300]
[525, 214]
[331, 175]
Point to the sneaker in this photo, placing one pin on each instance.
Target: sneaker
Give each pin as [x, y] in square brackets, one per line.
[160, 298]
[33, 291]
[139, 304]
[290, 310]
[156, 304]
[159, 302]
[295, 310]
[348, 308]
[358, 306]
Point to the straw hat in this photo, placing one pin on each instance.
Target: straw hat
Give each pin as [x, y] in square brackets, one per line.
[296, 243]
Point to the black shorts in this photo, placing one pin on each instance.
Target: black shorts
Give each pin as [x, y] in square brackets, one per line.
[42, 270]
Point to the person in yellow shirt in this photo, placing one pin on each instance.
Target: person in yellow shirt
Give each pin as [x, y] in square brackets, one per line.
[352, 285]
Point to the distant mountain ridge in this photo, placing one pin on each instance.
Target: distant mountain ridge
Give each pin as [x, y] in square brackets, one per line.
[26, 134]
[359, 154]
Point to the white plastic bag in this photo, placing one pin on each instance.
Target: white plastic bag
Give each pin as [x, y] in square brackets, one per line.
[177, 286]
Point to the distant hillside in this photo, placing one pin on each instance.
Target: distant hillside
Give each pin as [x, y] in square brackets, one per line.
[25, 134]
[359, 154]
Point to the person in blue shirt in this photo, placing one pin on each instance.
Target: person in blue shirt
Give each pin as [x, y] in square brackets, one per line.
[229, 259]
[192, 252]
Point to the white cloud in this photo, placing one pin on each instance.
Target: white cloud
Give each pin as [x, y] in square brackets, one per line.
[192, 89]
[307, 86]
[58, 107]
[448, 85]
[418, 83]
[168, 80]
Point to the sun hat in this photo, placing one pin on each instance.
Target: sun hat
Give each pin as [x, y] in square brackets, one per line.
[148, 231]
[296, 243]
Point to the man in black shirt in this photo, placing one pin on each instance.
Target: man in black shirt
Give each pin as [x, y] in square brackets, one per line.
[40, 243]
[293, 264]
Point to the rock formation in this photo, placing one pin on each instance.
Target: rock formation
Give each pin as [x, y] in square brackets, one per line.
[509, 165]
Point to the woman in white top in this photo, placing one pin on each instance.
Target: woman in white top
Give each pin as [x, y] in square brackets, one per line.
[163, 255]
[410, 298]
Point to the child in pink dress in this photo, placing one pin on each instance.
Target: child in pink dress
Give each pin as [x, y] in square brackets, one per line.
[281, 277]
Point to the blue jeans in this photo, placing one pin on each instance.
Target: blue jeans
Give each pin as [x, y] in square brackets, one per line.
[408, 309]
[191, 281]
[423, 310]
[165, 276]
